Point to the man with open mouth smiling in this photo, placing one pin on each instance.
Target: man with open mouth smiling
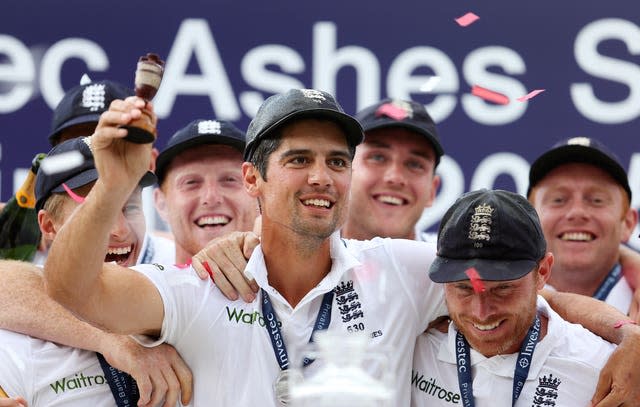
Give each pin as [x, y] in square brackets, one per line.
[394, 177]
[59, 193]
[582, 195]
[201, 195]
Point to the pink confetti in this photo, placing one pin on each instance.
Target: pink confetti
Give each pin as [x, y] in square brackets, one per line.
[476, 281]
[392, 111]
[489, 95]
[530, 95]
[467, 19]
[72, 194]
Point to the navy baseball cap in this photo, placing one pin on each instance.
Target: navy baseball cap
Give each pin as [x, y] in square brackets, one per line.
[78, 176]
[281, 108]
[84, 104]
[401, 113]
[578, 150]
[196, 133]
[496, 232]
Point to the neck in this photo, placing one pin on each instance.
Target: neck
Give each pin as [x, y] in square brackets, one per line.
[577, 281]
[182, 255]
[295, 266]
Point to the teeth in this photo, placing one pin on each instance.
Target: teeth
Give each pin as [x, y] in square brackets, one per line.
[317, 202]
[390, 200]
[577, 236]
[487, 327]
[119, 250]
[213, 220]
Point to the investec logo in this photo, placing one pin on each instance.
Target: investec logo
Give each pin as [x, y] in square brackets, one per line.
[79, 381]
[241, 316]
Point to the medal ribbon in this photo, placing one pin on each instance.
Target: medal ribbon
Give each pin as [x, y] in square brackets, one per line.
[123, 387]
[463, 361]
[607, 285]
[277, 340]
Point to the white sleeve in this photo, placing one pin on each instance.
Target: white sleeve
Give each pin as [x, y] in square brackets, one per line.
[16, 367]
[184, 296]
[413, 259]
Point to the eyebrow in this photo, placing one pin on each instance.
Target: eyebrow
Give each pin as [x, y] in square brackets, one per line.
[304, 151]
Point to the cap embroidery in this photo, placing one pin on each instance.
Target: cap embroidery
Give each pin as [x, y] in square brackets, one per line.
[93, 97]
[209, 127]
[87, 141]
[396, 110]
[314, 95]
[579, 141]
[480, 225]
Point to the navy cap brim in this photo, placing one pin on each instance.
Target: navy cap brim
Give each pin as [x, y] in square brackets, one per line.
[446, 270]
[576, 153]
[165, 157]
[88, 118]
[86, 177]
[417, 129]
[350, 126]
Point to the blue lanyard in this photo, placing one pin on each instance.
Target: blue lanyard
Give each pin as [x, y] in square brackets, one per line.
[123, 387]
[277, 340]
[463, 360]
[609, 282]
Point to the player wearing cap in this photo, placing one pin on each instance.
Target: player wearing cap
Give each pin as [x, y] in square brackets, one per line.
[505, 346]
[394, 177]
[302, 186]
[47, 373]
[59, 193]
[201, 195]
[582, 195]
[76, 115]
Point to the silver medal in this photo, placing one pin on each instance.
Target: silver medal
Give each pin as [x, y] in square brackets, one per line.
[283, 383]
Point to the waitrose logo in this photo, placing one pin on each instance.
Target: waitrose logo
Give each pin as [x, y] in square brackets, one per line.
[79, 381]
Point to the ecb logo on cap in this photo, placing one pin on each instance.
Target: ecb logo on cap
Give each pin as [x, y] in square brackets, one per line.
[93, 97]
[579, 141]
[314, 95]
[480, 224]
[209, 127]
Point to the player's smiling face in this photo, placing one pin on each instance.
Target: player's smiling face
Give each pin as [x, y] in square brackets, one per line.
[202, 196]
[126, 236]
[393, 181]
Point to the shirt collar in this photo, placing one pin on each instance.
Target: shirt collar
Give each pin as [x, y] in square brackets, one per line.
[342, 260]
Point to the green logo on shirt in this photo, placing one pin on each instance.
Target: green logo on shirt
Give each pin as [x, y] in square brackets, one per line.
[79, 381]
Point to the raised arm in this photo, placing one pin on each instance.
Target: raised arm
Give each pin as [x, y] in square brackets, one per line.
[116, 298]
[618, 382]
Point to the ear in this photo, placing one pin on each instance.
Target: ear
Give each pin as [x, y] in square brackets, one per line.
[544, 270]
[435, 184]
[47, 225]
[628, 224]
[160, 202]
[250, 178]
[154, 157]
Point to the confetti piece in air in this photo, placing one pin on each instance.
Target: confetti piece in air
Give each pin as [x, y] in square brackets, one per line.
[530, 95]
[476, 281]
[61, 162]
[489, 95]
[79, 199]
[392, 111]
[467, 19]
[430, 84]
